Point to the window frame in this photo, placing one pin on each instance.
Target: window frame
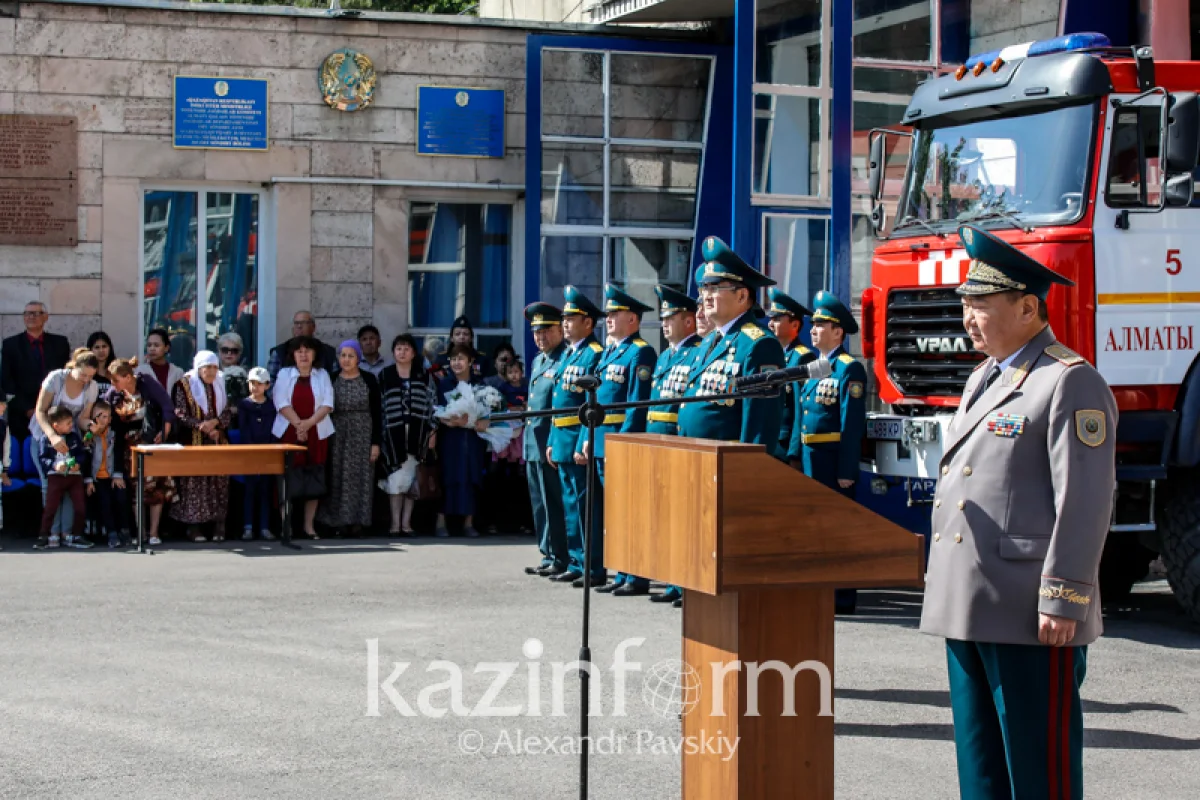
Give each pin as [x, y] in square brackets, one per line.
[516, 257]
[608, 232]
[264, 258]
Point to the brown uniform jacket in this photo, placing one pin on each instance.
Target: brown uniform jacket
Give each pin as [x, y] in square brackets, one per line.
[1023, 502]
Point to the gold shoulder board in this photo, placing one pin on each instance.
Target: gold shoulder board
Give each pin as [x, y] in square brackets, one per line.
[640, 342]
[1063, 354]
[802, 350]
[753, 331]
[846, 358]
[596, 347]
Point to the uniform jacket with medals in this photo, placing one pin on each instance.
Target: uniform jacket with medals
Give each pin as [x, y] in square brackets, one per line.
[543, 376]
[1023, 501]
[748, 349]
[626, 370]
[831, 418]
[670, 381]
[795, 355]
[566, 433]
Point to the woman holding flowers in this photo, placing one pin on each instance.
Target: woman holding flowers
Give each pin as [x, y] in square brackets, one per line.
[460, 447]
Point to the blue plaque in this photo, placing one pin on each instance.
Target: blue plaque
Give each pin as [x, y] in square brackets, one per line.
[460, 122]
[221, 113]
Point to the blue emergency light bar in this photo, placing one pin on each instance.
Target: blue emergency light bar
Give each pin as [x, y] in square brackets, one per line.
[1059, 44]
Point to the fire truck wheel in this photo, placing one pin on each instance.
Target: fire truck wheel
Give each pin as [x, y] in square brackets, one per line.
[1180, 531]
[1125, 562]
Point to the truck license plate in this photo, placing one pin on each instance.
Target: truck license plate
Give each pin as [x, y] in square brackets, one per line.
[888, 429]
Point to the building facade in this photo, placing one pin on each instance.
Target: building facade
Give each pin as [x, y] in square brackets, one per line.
[621, 144]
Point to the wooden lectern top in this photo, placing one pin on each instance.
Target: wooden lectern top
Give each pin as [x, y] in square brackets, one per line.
[717, 517]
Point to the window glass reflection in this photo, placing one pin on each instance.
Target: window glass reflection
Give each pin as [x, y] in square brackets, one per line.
[231, 286]
[169, 270]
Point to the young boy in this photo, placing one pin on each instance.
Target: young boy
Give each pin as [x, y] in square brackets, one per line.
[255, 417]
[64, 476]
[104, 480]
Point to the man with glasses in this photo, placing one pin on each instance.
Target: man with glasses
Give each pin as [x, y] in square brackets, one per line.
[303, 324]
[27, 359]
[736, 347]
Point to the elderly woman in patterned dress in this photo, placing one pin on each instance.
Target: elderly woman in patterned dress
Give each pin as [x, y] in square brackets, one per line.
[204, 416]
[355, 448]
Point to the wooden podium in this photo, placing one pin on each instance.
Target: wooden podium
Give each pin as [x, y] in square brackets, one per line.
[758, 549]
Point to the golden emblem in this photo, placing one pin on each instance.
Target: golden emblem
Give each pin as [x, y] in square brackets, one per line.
[1061, 592]
[221, 88]
[347, 80]
[1090, 427]
[538, 319]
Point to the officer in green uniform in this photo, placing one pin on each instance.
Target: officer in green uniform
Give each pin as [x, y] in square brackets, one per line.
[737, 346]
[545, 490]
[678, 314]
[565, 448]
[832, 413]
[1020, 516]
[627, 367]
[786, 316]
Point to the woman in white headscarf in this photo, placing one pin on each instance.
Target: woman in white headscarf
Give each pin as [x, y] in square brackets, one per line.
[204, 415]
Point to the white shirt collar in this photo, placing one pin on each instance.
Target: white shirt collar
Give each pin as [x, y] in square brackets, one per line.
[1008, 362]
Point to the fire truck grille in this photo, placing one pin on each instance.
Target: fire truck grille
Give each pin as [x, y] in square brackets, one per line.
[927, 353]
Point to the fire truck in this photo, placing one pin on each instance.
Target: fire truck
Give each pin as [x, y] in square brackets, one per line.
[1082, 155]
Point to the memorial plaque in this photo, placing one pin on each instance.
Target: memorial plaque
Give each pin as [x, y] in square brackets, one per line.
[460, 122]
[39, 155]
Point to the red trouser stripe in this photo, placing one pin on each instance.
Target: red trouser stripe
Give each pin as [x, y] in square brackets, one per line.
[1068, 674]
[1052, 724]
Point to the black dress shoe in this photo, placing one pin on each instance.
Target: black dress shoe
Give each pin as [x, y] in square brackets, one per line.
[581, 582]
[551, 571]
[629, 590]
[534, 570]
[608, 588]
[662, 598]
[567, 577]
[677, 603]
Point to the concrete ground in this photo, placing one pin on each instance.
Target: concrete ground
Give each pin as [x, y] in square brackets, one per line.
[229, 671]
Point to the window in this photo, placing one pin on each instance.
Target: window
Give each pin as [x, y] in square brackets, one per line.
[792, 102]
[894, 30]
[795, 254]
[197, 294]
[459, 263]
[622, 146]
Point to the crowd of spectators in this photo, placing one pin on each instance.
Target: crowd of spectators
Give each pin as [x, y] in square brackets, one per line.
[379, 458]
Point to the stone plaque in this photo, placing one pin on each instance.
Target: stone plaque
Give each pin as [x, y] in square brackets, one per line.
[39, 156]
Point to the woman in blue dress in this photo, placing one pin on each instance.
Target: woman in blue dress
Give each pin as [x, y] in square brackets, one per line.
[460, 448]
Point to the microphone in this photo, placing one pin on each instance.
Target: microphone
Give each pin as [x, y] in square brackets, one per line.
[588, 383]
[820, 368]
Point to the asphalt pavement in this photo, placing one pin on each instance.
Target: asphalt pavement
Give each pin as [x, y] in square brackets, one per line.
[220, 671]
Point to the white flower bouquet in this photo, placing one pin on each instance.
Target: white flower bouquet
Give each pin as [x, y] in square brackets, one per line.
[476, 403]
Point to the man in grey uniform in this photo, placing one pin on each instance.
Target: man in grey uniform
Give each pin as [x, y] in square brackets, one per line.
[1019, 521]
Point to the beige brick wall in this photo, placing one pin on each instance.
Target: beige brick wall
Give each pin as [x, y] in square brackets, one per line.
[339, 250]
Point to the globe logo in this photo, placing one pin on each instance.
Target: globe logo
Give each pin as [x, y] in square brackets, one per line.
[671, 688]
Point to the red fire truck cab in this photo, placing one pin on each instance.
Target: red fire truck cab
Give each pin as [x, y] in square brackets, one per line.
[1082, 155]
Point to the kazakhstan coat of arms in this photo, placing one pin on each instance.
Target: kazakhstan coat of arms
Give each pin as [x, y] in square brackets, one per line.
[347, 80]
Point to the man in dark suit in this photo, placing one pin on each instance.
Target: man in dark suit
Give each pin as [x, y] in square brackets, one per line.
[303, 324]
[25, 361]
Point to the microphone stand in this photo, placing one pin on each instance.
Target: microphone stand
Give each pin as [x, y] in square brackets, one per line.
[592, 414]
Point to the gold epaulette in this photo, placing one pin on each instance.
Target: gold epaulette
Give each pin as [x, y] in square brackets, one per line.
[802, 350]
[641, 342]
[753, 331]
[846, 358]
[1063, 354]
[596, 347]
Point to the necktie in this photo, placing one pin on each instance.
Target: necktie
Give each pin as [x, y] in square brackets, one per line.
[987, 382]
[713, 344]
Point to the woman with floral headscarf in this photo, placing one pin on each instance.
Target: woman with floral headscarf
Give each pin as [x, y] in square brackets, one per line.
[204, 416]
